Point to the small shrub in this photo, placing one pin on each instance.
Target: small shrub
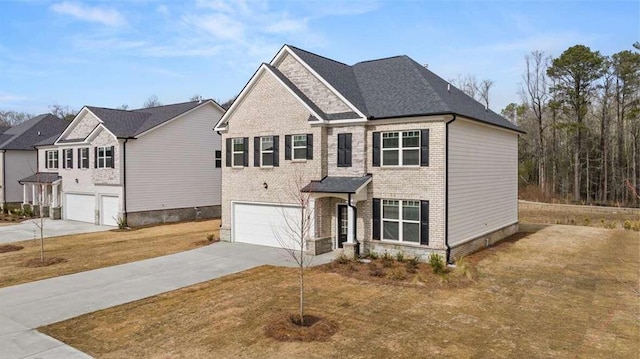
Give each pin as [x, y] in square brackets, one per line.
[211, 237]
[463, 269]
[398, 274]
[387, 260]
[342, 259]
[411, 265]
[636, 226]
[122, 223]
[572, 221]
[587, 221]
[400, 256]
[27, 212]
[612, 225]
[627, 225]
[373, 255]
[437, 263]
[375, 271]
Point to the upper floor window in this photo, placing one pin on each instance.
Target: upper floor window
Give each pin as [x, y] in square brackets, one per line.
[344, 150]
[298, 147]
[218, 158]
[51, 159]
[104, 157]
[237, 154]
[67, 155]
[401, 148]
[83, 157]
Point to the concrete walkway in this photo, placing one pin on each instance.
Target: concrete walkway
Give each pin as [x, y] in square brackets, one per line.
[26, 230]
[28, 306]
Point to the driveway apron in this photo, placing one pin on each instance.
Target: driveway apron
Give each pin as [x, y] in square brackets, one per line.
[28, 229]
[28, 306]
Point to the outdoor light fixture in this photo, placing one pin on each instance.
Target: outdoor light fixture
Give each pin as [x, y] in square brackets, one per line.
[265, 185]
[76, 180]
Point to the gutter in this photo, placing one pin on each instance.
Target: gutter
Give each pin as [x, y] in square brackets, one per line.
[124, 175]
[4, 179]
[446, 189]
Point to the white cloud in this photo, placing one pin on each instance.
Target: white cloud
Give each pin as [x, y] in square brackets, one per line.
[163, 9]
[10, 98]
[219, 25]
[109, 17]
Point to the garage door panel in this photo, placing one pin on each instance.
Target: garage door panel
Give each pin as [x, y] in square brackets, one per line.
[80, 207]
[109, 210]
[264, 224]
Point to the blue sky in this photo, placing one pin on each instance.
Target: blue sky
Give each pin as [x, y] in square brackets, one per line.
[110, 53]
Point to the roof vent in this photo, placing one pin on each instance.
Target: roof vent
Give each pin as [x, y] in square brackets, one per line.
[426, 66]
[486, 108]
[448, 87]
[38, 133]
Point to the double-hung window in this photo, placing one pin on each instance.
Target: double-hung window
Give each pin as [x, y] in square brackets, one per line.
[299, 147]
[266, 151]
[401, 220]
[67, 155]
[238, 152]
[104, 157]
[83, 157]
[51, 159]
[401, 148]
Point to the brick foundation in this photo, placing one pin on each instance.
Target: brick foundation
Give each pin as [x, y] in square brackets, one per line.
[482, 242]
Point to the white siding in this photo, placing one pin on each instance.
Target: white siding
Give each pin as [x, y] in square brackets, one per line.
[173, 166]
[483, 180]
[18, 165]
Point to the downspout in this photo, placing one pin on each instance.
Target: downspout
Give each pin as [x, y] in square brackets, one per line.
[124, 179]
[446, 189]
[355, 213]
[4, 181]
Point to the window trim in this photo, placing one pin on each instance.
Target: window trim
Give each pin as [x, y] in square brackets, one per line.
[266, 152]
[51, 160]
[240, 140]
[400, 149]
[67, 158]
[81, 157]
[294, 147]
[400, 220]
[102, 160]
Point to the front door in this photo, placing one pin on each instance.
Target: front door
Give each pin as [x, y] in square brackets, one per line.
[343, 224]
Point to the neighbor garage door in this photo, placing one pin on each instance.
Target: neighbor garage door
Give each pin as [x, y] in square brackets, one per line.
[80, 207]
[261, 223]
[109, 210]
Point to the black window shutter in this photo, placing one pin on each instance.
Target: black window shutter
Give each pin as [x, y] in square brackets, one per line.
[287, 147]
[347, 150]
[276, 153]
[424, 147]
[64, 158]
[95, 157]
[46, 159]
[424, 222]
[376, 219]
[113, 157]
[79, 158]
[256, 152]
[245, 147]
[341, 149]
[228, 152]
[310, 146]
[71, 158]
[376, 149]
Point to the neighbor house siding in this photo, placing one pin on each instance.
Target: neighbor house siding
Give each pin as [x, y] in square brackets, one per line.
[173, 166]
[483, 180]
[18, 165]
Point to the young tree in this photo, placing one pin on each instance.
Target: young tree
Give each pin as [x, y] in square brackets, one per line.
[295, 233]
[576, 71]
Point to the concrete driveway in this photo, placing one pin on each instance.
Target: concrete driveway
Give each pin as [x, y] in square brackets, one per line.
[29, 230]
[28, 306]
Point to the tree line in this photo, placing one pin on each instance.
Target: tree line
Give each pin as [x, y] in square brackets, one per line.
[581, 114]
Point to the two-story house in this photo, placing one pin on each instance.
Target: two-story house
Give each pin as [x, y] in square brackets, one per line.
[144, 166]
[18, 156]
[393, 157]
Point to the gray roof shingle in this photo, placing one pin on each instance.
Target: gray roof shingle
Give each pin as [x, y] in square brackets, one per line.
[41, 177]
[337, 184]
[398, 87]
[27, 134]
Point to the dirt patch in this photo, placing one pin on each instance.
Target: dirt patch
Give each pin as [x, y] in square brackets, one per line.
[588, 216]
[5, 248]
[37, 263]
[287, 328]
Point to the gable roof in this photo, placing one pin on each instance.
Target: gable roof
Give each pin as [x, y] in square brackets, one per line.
[24, 136]
[398, 87]
[131, 123]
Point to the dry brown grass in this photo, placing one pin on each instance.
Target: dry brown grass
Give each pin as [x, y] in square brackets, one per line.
[96, 250]
[578, 217]
[5, 248]
[562, 292]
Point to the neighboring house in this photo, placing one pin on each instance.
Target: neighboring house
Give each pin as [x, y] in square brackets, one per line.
[18, 156]
[145, 166]
[393, 157]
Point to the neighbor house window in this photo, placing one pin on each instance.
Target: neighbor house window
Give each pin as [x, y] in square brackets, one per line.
[67, 155]
[299, 147]
[401, 220]
[83, 157]
[266, 151]
[401, 148]
[218, 159]
[104, 157]
[52, 159]
[344, 150]
[238, 152]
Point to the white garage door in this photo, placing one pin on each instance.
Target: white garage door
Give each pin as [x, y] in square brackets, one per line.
[262, 224]
[109, 210]
[80, 207]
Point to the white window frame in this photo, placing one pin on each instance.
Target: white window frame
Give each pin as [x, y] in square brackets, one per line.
[264, 151]
[400, 149]
[52, 158]
[65, 157]
[102, 159]
[234, 141]
[400, 220]
[82, 157]
[294, 147]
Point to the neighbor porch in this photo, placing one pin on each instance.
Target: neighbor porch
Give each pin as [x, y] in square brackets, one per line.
[41, 193]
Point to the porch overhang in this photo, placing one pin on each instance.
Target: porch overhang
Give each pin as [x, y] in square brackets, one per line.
[339, 186]
[42, 178]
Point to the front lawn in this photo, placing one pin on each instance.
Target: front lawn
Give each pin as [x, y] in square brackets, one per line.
[564, 291]
[88, 251]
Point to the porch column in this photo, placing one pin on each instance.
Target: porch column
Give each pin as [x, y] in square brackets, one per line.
[43, 193]
[54, 194]
[24, 194]
[34, 194]
[351, 218]
[311, 211]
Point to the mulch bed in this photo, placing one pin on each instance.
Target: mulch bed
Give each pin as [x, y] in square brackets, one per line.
[287, 328]
[37, 263]
[205, 242]
[9, 248]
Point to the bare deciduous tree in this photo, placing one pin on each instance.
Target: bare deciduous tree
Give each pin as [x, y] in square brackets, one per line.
[152, 101]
